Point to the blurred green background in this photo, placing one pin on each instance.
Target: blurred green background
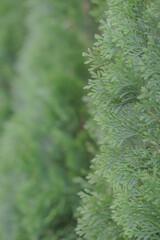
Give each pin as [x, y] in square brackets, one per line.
[45, 149]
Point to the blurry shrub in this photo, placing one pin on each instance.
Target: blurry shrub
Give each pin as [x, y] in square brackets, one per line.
[12, 30]
[98, 8]
[43, 148]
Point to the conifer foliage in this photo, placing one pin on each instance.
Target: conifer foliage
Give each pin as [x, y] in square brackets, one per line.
[124, 65]
[43, 145]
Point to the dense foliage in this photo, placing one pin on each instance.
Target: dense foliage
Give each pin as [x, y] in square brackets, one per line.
[44, 145]
[45, 149]
[124, 188]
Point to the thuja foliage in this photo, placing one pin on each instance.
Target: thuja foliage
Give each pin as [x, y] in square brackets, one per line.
[124, 65]
[12, 33]
[43, 148]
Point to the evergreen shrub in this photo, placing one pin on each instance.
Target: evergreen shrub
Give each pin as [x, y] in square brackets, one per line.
[122, 198]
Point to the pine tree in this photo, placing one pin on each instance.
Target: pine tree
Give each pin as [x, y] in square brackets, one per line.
[43, 147]
[125, 90]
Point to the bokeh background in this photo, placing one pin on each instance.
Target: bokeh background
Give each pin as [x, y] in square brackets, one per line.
[45, 148]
